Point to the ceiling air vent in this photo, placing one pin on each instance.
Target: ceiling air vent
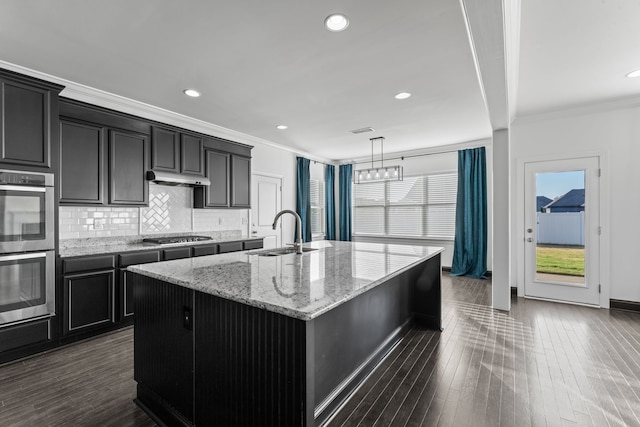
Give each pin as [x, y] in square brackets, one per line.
[361, 130]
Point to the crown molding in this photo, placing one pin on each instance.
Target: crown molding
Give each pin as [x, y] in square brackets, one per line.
[90, 95]
[579, 110]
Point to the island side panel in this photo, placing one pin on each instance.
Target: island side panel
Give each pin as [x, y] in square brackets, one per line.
[427, 295]
[163, 349]
[249, 365]
[353, 338]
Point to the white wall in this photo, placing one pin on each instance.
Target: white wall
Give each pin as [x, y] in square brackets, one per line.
[270, 160]
[615, 132]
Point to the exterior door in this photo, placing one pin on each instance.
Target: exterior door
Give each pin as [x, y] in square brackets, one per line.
[266, 202]
[562, 230]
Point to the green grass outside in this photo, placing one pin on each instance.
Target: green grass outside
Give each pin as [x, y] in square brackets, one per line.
[560, 260]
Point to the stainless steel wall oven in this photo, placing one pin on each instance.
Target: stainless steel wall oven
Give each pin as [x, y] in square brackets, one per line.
[27, 256]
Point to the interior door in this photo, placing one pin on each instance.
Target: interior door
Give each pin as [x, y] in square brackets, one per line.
[562, 230]
[266, 202]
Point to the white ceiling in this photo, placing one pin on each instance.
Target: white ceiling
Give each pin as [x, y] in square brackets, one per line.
[259, 64]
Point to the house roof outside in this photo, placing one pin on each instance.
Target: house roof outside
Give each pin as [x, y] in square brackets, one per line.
[572, 199]
[541, 202]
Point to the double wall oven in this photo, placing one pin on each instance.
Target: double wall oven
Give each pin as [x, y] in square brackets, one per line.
[27, 243]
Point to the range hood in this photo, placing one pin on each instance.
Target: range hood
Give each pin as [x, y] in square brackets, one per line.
[170, 178]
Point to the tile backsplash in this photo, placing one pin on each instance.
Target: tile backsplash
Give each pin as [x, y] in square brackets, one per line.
[169, 211]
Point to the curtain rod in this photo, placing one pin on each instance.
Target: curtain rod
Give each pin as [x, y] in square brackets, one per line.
[415, 155]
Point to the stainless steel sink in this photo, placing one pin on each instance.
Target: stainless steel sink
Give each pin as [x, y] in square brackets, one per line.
[280, 251]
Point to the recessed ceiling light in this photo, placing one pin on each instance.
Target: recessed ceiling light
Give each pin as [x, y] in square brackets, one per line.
[282, 127]
[403, 95]
[635, 73]
[192, 93]
[336, 22]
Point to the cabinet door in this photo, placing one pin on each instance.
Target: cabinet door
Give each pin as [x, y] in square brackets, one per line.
[128, 158]
[240, 182]
[191, 155]
[81, 163]
[89, 301]
[165, 150]
[25, 123]
[215, 195]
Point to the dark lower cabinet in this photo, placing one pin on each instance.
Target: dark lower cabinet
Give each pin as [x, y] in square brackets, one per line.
[89, 297]
[125, 289]
[28, 120]
[89, 301]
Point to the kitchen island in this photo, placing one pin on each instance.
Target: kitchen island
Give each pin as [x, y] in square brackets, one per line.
[252, 339]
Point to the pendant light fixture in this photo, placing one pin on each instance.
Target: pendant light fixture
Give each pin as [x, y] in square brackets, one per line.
[378, 173]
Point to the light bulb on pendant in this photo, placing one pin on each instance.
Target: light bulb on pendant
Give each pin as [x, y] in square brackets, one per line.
[386, 173]
[395, 173]
[368, 175]
[360, 176]
[377, 174]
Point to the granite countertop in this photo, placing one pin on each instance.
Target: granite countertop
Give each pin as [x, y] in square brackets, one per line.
[99, 246]
[300, 286]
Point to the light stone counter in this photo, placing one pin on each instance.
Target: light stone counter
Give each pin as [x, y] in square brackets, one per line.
[112, 245]
[299, 286]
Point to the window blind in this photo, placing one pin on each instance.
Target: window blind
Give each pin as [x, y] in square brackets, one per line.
[419, 206]
[317, 206]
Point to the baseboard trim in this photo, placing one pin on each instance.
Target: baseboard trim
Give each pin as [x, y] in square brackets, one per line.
[625, 305]
[448, 270]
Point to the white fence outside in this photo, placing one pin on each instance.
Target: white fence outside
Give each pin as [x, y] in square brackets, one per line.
[561, 228]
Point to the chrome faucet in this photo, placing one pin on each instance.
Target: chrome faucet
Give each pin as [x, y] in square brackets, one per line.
[298, 243]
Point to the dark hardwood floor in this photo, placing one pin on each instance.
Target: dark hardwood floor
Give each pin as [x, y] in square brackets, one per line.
[542, 364]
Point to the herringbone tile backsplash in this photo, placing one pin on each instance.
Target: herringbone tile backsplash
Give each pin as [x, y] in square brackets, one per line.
[169, 210]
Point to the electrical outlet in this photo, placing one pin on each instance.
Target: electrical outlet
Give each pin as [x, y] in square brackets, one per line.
[98, 224]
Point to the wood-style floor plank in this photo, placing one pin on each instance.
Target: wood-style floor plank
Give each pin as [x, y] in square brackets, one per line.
[541, 364]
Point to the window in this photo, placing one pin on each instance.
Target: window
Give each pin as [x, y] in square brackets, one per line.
[317, 206]
[419, 206]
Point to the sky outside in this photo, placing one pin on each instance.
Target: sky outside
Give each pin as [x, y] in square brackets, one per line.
[555, 184]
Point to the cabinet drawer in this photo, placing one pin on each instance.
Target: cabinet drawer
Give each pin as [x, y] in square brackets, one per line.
[98, 262]
[252, 244]
[205, 250]
[126, 260]
[230, 247]
[24, 334]
[176, 253]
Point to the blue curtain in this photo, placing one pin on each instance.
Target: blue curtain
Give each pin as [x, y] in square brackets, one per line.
[345, 202]
[330, 202]
[470, 245]
[303, 200]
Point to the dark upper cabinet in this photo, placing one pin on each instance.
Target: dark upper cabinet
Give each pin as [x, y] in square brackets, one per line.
[230, 177]
[81, 163]
[172, 151]
[191, 155]
[128, 157]
[26, 127]
[165, 150]
[215, 195]
[240, 182]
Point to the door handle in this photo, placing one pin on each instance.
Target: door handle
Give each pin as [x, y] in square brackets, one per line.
[529, 230]
[529, 240]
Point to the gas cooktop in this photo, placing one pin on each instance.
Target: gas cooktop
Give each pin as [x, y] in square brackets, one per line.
[175, 239]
